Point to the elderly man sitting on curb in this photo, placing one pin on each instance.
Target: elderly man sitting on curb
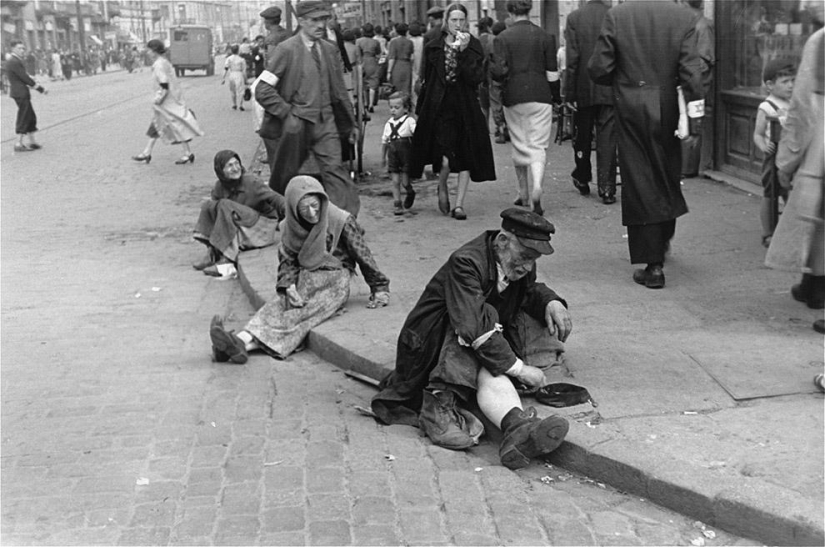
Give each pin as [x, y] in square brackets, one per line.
[479, 319]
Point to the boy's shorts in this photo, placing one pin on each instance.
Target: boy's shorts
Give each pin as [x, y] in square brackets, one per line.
[398, 155]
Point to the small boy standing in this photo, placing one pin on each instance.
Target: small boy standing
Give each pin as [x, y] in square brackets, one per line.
[778, 76]
[397, 145]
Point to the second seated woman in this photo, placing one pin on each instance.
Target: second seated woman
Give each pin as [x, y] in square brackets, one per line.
[452, 134]
[320, 246]
[242, 213]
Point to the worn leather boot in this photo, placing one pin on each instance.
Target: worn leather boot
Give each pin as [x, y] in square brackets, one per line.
[527, 436]
[447, 425]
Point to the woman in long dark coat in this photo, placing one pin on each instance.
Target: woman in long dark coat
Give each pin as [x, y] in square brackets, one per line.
[644, 51]
[451, 134]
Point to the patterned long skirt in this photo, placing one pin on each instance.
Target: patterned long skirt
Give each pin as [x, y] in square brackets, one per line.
[282, 329]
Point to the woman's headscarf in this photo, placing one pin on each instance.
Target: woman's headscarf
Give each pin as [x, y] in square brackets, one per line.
[309, 241]
[221, 159]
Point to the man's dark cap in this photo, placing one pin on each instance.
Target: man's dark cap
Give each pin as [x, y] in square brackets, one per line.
[778, 66]
[531, 229]
[311, 8]
[273, 12]
[436, 11]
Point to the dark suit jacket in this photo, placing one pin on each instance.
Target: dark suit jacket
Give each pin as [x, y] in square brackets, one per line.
[583, 28]
[286, 65]
[522, 55]
[19, 80]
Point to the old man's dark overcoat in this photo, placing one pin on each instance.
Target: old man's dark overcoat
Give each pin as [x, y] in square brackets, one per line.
[646, 49]
[462, 298]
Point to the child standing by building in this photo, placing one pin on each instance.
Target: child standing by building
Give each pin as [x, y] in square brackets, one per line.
[778, 77]
[397, 145]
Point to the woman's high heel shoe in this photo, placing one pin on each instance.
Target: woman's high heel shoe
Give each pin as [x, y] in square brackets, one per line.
[143, 157]
[186, 159]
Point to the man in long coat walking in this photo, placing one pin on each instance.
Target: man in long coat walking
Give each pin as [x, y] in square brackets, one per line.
[645, 50]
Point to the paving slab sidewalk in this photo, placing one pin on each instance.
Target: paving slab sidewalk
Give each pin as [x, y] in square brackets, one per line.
[705, 399]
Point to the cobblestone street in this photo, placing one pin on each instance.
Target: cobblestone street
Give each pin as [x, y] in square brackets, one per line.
[118, 429]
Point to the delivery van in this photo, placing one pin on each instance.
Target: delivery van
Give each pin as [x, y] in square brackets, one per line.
[190, 48]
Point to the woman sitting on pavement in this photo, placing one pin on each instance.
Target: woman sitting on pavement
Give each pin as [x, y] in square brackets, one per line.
[320, 246]
[243, 213]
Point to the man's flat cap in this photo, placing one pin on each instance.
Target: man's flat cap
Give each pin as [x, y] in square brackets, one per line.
[435, 11]
[531, 229]
[311, 8]
[273, 12]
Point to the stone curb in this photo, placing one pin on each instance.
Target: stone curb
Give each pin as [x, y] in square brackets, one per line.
[759, 510]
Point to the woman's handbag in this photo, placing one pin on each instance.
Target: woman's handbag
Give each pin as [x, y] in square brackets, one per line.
[247, 94]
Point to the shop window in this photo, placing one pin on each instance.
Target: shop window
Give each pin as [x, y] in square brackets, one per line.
[762, 30]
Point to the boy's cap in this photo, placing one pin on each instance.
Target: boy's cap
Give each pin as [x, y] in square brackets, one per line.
[775, 67]
[435, 11]
[531, 229]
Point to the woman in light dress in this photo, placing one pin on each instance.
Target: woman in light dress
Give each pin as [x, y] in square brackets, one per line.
[172, 120]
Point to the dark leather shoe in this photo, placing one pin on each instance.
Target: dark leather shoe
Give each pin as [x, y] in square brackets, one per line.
[650, 277]
[205, 262]
[810, 291]
[409, 199]
[608, 199]
[527, 436]
[225, 345]
[582, 187]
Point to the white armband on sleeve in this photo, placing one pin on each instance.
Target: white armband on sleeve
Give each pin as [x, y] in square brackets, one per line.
[516, 369]
[696, 109]
[269, 78]
[552, 76]
[475, 344]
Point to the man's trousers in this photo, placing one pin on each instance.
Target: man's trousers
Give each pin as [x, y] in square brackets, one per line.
[602, 118]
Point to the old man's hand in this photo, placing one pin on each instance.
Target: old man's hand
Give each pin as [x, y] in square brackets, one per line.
[558, 320]
[526, 374]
